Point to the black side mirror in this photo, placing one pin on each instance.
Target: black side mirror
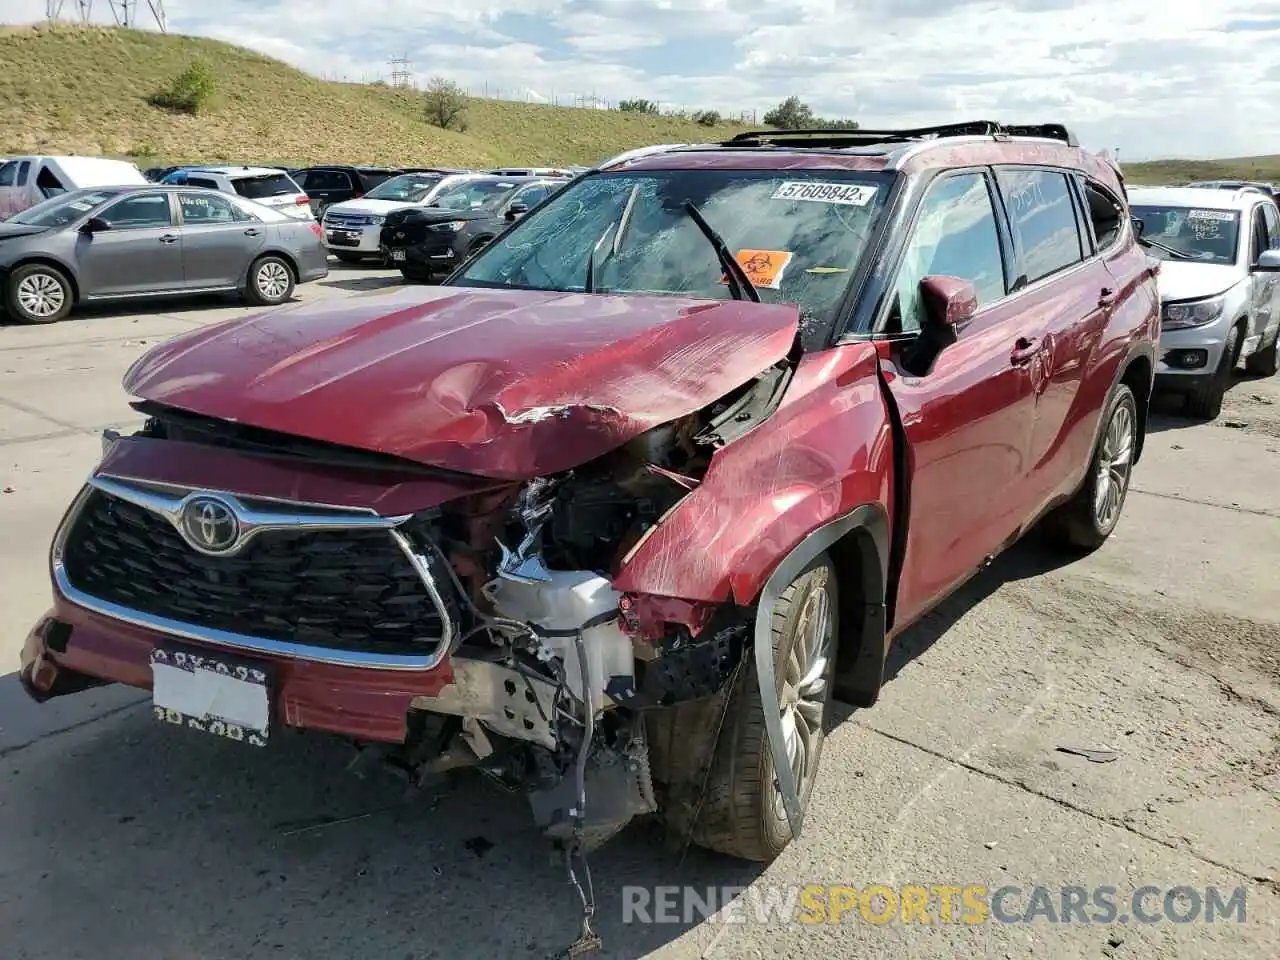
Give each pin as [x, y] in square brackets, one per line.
[517, 210]
[95, 225]
[1139, 225]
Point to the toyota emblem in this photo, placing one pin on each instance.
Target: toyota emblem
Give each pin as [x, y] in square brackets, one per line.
[210, 525]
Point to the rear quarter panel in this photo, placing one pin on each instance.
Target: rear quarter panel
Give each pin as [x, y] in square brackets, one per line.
[826, 450]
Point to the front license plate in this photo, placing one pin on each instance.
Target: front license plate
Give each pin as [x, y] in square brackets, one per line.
[397, 254]
[216, 694]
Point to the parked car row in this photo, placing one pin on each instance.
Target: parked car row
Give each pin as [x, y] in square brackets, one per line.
[402, 220]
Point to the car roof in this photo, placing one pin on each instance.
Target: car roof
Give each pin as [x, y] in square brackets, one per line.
[237, 171]
[913, 150]
[1204, 199]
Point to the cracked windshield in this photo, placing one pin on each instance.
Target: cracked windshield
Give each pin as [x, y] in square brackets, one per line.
[796, 239]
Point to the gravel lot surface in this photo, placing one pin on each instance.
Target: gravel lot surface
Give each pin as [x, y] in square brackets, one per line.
[122, 839]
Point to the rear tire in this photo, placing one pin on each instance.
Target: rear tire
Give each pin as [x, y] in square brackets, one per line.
[1205, 402]
[1088, 518]
[271, 281]
[742, 814]
[1266, 361]
[39, 293]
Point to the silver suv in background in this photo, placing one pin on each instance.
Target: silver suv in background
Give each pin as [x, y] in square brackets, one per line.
[353, 228]
[1219, 286]
[270, 186]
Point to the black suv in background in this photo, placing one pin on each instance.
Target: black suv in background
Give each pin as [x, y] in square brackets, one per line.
[334, 184]
[427, 243]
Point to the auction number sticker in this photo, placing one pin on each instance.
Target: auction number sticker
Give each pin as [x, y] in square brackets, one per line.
[1223, 215]
[847, 194]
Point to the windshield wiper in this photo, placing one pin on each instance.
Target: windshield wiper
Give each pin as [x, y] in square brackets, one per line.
[589, 285]
[1176, 254]
[740, 285]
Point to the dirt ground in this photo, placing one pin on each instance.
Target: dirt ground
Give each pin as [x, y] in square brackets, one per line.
[123, 839]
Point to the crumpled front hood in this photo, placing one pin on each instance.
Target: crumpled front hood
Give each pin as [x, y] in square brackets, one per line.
[1187, 280]
[501, 383]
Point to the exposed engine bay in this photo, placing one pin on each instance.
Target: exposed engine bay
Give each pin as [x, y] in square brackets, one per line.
[553, 669]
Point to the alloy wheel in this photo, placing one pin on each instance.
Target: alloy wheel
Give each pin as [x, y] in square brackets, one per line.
[1115, 461]
[41, 295]
[804, 691]
[273, 279]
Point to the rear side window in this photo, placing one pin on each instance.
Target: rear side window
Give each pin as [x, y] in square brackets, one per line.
[1105, 213]
[258, 188]
[23, 169]
[199, 182]
[371, 178]
[326, 180]
[200, 208]
[955, 235]
[1043, 219]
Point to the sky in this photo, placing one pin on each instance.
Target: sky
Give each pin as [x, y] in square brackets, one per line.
[1149, 79]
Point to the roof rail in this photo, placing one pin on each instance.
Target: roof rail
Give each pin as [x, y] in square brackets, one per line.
[821, 137]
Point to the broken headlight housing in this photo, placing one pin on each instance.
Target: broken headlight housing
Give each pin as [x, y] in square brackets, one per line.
[1195, 313]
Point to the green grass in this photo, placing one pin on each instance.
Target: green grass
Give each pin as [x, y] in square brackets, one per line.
[71, 89]
[1176, 172]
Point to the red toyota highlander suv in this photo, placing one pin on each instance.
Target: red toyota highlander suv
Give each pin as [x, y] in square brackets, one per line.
[614, 512]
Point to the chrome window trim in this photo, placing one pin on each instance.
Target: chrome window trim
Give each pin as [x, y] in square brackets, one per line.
[339, 518]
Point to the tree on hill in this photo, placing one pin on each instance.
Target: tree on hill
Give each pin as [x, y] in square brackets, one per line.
[445, 104]
[638, 106]
[192, 91]
[793, 114]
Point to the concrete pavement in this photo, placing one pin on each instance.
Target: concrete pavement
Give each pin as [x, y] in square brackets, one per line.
[125, 839]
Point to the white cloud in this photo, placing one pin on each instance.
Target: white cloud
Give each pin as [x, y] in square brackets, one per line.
[1174, 78]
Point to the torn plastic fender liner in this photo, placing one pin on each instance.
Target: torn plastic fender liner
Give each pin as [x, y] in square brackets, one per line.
[869, 516]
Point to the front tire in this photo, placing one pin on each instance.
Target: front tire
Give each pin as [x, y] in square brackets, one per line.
[1088, 518]
[1266, 361]
[742, 814]
[1205, 402]
[39, 293]
[271, 281]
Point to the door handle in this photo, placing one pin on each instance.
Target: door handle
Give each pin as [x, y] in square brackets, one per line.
[169, 238]
[1106, 296]
[1024, 349]
[253, 232]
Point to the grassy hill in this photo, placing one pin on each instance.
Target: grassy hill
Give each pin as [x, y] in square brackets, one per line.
[72, 89]
[1172, 172]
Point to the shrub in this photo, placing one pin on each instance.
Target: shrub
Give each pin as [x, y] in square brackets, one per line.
[638, 106]
[708, 118]
[445, 104]
[192, 91]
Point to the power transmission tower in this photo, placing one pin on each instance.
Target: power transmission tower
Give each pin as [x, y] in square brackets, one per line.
[86, 10]
[401, 72]
[53, 9]
[125, 13]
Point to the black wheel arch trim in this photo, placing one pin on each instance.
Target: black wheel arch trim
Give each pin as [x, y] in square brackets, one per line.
[869, 517]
